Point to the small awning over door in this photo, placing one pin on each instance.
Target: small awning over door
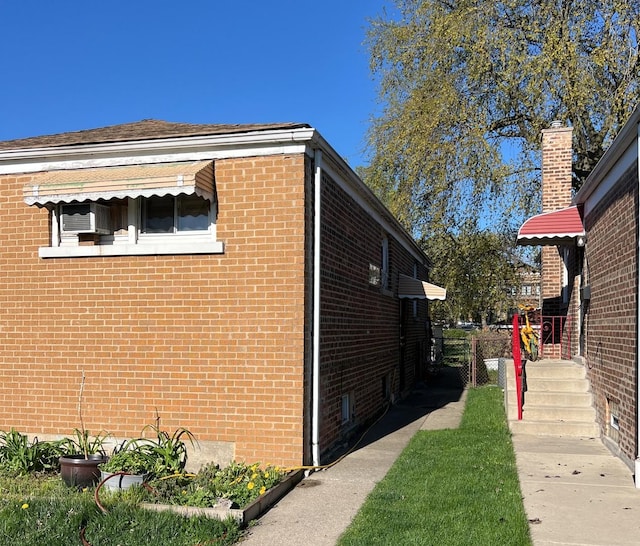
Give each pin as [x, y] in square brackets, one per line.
[557, 228]
[408, 287]
[66, 186]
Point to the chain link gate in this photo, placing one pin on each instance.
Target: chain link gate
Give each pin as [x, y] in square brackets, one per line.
[479, 358]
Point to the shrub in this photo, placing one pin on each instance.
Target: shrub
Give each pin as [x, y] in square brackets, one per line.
[455, 333]
[493, 345]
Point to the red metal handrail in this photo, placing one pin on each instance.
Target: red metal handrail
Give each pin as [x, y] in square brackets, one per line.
[554, 332]
[517, 361]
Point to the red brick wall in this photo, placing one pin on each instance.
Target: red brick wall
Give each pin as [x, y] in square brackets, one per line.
[557, 168]
[556, 195]
[360, 325]
[610, 325]
[575, 322]
[215, 343]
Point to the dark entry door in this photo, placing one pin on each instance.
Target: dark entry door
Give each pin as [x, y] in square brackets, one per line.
[404, 317]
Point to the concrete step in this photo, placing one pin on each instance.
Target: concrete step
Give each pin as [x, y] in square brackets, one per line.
[557, 401]
[566, 387]
[555, 428]
[558, 413]
[547, 372]
[557, 385]
[553, 413]
[557, 398]
[554, 370]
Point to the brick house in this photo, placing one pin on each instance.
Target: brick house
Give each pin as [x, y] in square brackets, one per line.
[239, 280]
[590, 274]
[528, 293]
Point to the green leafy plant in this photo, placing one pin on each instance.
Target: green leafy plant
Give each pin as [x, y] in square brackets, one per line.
[169, 451]
[132, 456]
[238, 482]
[19, 455]
[83, 443]
[163, 455]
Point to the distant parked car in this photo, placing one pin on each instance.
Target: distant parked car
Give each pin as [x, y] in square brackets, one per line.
[465, 325]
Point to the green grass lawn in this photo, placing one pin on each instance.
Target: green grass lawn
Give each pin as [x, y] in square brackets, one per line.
[43, 511]
[450, 487]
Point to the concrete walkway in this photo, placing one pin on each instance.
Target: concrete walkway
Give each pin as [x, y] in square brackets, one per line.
[322, 506]
[575, 492]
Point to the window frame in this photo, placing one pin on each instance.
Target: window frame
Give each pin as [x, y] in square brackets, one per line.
[134, 242]
[175, 228]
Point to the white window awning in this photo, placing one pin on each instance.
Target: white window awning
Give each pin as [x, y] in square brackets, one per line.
[408, 287]
[53, 187]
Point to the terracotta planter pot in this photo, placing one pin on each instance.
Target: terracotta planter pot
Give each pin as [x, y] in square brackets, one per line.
[76, 471]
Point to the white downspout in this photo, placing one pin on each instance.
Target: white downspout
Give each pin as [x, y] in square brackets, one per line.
[315, 395]
[637, 461]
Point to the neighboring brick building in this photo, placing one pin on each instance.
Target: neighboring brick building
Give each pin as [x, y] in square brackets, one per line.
[239, 280]
[599, 286]
[528, 294]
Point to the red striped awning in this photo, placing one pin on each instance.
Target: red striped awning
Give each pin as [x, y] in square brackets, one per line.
[557, 228]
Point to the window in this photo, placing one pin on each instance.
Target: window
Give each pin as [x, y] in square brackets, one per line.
[175, 214]
[374, 275]
[183, 224]
[385, 263]
[139, 209]
[346, 408]
[613, 421]
[379, 274]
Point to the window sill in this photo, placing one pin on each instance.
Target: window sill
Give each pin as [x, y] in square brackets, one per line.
[142, 249]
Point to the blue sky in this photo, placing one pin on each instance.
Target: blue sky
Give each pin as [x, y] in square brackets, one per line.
[73, 65]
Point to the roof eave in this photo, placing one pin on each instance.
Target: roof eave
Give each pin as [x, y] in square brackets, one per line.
[22, 157]
[622, 141]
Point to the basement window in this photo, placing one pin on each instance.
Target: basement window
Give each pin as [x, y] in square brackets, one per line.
[613, 420]
[346, 408]
[386, 387]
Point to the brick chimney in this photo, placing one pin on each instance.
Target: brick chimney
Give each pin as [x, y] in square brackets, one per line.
[557, 154]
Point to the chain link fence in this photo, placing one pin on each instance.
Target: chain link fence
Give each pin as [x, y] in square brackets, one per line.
[479, 357]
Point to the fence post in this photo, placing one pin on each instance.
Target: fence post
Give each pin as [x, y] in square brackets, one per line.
[474, 346]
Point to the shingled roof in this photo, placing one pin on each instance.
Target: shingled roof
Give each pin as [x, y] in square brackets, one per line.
[146, 129]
